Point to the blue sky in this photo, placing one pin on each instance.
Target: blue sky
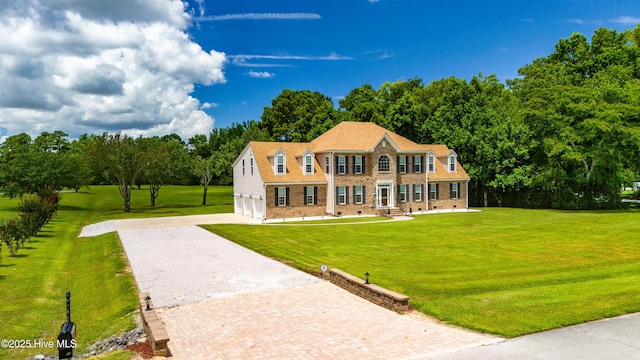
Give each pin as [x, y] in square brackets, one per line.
[353, 42]
[154, 67]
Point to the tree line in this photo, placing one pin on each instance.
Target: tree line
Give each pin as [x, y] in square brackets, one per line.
[565, 134]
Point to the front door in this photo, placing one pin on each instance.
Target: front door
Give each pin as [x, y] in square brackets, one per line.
[384, 196]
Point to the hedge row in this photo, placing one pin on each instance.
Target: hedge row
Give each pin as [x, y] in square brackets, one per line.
[34, 211]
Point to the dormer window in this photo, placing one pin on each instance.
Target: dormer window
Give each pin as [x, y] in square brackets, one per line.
[432, 163]
[452, 163]
[308, 164]
[280, 168]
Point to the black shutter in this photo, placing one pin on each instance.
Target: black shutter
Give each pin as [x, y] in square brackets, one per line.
[422, 192]
[346, 195]
[335, 168]
[450, 190]
[413, 193]
[337, 195]
[315, 195]
[398, 164]
[276, 196]
[364, 168]
[364, 189]
[422, 162]
[437, 191]
[346, 164]
[354, 194]
[459, 191]
[354, 164]
[304, 194]
[287, 196]
[398, 193]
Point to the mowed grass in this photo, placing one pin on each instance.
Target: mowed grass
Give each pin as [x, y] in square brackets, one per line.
[503, 271]
[94, 269]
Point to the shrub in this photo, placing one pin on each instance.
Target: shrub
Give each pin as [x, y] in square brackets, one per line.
[13, 233]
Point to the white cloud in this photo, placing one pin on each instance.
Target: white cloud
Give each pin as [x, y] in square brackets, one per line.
[261, 16]
[209, 105]
[89, 66]
[627, 20]
[261, 74]
[242, 59]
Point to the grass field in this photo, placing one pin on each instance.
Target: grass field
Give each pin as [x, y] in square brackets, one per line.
[503, 271]
[103, 295]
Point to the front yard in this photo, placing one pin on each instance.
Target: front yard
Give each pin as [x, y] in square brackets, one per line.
[503, 271]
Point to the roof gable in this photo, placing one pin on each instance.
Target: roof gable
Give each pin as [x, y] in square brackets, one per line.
[351, 136]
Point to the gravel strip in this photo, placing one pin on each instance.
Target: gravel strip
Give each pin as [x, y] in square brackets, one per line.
[185, 265]
[98, 229]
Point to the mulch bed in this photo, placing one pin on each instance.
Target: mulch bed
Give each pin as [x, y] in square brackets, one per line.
[143, 349]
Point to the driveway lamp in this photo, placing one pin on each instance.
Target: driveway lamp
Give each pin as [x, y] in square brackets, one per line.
[146, 299]
[366, 280]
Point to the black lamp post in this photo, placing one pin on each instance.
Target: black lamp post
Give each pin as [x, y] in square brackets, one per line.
[147, 298]
[366, 280]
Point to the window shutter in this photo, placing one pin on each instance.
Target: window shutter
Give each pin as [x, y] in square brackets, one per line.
[459, 191]
[413, 193]
[346, 195]
[364, 168]
[287, 196]
[276, 189]
[398, 164]
[346, 164]
[364, 189]
[398, 193]
[337, 195]
[451, 191]
[437, 191]
[354, 194]
[315, 195]
[304, 195]
[335, 168]
[353, 159]
[422, 192]
[422, 164]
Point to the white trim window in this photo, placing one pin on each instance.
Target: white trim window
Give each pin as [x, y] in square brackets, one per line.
[308, 164]
[251, 163]
[432, 163]
[342, 167]
[327, 164]
[417, 192]
[357, 194]
[455, 192]
[417, 164]
[384, 164]
[342, 195]
[402, 192]
[452, 163]
[282, 196]
[310, 195]
[242, 167]
[357, 164]
[402, 164]
[280, 167]
[433, 191]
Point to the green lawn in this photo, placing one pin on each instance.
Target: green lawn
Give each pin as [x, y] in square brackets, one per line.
[103, 295]
[503, 271]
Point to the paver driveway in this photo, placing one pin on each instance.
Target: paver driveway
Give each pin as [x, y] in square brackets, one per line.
[219, 300]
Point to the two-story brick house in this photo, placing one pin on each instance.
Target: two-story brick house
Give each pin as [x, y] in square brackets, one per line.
[354, 168]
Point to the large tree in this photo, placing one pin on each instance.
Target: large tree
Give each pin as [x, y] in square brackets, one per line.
[122, 158]
[298, 116]
[582, 105]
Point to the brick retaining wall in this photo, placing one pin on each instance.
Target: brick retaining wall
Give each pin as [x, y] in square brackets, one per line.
[377, 295]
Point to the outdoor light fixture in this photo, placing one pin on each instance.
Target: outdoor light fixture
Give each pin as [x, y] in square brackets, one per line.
[366, 281]
[147, 298]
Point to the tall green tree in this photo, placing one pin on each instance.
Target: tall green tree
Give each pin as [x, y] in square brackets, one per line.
[122, 158]
[581, 103]
[298, 116]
